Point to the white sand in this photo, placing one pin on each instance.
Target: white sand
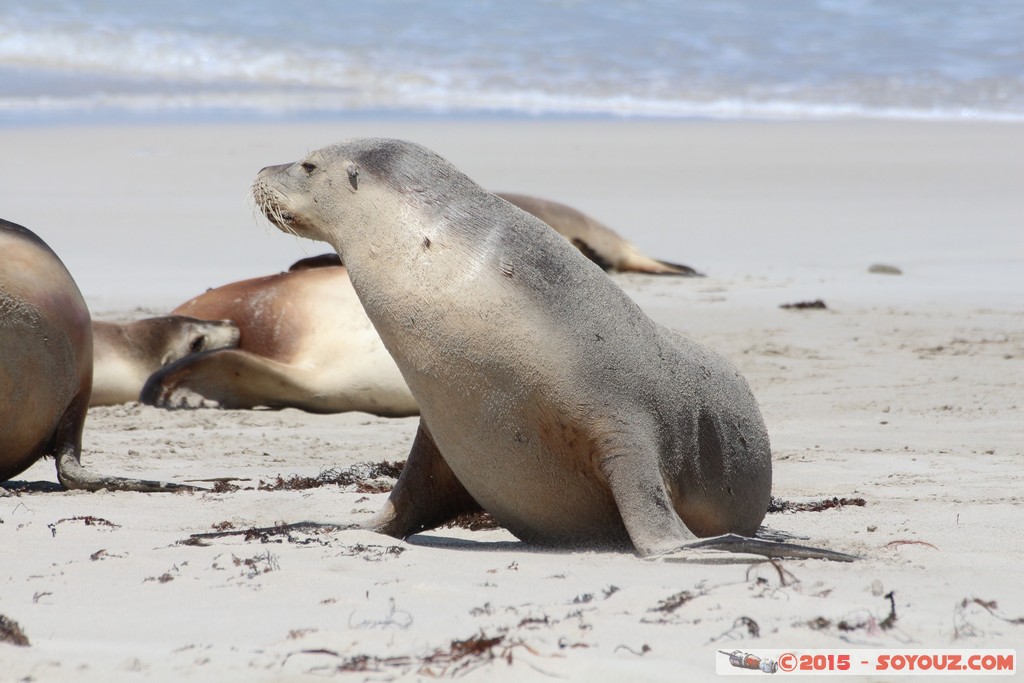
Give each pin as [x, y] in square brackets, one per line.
[908, 392]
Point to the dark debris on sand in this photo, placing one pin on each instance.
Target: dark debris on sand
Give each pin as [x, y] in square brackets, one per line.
[364, 477]
[10, 632]
[453, 660]
[816, 305]
[778, 505]
[474, 521]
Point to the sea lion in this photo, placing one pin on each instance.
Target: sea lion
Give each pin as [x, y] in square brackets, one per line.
[46, 365]
[547, 397]
[594, 239]
[305, 342]
[318, 261]
[126, 354]
[597, 241]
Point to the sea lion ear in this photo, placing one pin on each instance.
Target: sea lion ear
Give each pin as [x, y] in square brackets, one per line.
[353, 176]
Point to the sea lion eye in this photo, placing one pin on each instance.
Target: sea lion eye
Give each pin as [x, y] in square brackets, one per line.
[353, 176]
[308, 166]
[197, 344]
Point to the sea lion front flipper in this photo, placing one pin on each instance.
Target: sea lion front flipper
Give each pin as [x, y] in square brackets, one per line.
[426, 495]
[227, 378]
[644, 503]
[72, 475]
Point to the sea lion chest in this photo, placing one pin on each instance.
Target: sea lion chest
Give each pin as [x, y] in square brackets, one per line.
[503, 375]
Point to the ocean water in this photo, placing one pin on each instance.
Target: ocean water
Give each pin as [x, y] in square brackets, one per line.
[789, 59]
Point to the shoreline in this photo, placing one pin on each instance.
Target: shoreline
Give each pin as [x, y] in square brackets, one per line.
[714, 111]
[732, 199]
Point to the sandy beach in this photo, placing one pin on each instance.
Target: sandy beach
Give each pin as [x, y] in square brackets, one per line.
[905, 396]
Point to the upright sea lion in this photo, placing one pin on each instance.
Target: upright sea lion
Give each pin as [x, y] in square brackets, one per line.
[594, 239]
[126, 354]
[548, 398]
[305, 343]
[46, 365]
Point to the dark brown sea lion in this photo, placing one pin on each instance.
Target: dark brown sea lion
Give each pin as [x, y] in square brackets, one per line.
[46, 365]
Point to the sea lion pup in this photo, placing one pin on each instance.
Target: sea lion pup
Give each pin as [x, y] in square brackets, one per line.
[305, 343]
[46, 365]
[547, 397]
[594, 239]
[126, 354]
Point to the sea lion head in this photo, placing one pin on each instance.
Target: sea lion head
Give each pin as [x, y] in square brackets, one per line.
[176, 336]
[353, 187]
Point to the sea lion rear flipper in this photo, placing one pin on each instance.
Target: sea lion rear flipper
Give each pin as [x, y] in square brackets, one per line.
[655, 528]
[72, 475]
[634, 260]
[227, 378]
[679, 269]
[735, 543]
[426, 495]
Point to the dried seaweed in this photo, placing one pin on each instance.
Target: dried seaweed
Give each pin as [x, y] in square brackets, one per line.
[455, 659]
[270, 534]
[869, 624]
[819, 624]
[777, 505]
[897, 543]
[786, 577]
[224, 487]
[816, 305]
[361, 476]
[10, 632]
[474, 521]
[887, 623]
[256, 565]
[991, 606]
[674, 602]
[89, 520]
[372, 553]
[742, 628]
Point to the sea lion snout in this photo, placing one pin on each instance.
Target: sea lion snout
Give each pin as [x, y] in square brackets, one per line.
[271, 170]
[271, 202]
